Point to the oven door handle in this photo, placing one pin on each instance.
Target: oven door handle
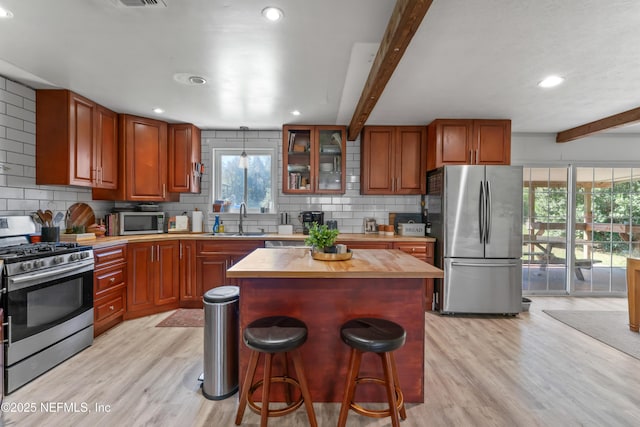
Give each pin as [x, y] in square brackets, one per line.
[8, 325]
[79, 268]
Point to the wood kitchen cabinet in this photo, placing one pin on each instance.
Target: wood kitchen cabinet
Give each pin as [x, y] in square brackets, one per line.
[190, 294]
[184, 158]
[393, 160]
[109, 287]
[142, 160]
[468, 142]
[424, 252]
[214, 257]
[82, 138]
[314, 159]
[153, 277]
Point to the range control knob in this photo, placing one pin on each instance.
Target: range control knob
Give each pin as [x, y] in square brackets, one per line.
[74, 257]
[84, 255]
[39, 263]
[58, 259]
[26, 266]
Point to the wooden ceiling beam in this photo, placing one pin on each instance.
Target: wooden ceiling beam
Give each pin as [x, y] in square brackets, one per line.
[611, 122]
[403, 24]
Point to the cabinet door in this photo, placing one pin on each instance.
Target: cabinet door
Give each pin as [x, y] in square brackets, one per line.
[329, 148]
[449, 142]
[140, 276]
[211, 271]
[377, 160]
[146, 159]
[184, 154]
[313, 159]
[410, 160]
[106, 150]
[492, 142]
[82, 137]
[190, 295]
[298, 166]
[167, 264]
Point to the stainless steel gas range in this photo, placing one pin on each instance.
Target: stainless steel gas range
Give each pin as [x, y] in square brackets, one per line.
[47, 297]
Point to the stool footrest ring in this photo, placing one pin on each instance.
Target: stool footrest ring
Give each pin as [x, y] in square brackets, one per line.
[374, 413]
[275, 412]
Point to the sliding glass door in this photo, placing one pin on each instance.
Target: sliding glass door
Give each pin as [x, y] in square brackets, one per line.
[580, 224]
[545, 197]
[607, 227]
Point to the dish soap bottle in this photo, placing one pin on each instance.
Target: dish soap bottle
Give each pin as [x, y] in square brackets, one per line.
[216, 224]
[221, 227]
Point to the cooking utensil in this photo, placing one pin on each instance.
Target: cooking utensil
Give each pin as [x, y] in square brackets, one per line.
[81, 214]
[43, 220]
[59, 216]
[36, 218]
[48, 216]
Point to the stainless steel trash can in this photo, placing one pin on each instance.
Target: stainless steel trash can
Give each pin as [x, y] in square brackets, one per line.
[221, 330]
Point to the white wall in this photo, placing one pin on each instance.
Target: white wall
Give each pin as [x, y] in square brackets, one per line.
[347, 209]
[612, 148]
[19, 194]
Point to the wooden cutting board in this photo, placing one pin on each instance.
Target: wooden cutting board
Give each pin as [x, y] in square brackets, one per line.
[81, 214]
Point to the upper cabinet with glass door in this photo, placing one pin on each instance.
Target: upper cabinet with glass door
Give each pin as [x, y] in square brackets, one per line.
[313, 159]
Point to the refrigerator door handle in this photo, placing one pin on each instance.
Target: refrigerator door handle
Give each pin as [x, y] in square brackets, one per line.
[487, 227]
[472, 264]
[481, 212]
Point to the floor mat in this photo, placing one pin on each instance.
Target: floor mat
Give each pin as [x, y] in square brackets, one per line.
[609, 327]
[184, 317]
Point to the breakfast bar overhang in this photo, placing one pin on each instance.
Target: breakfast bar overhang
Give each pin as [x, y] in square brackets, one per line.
[381, 283]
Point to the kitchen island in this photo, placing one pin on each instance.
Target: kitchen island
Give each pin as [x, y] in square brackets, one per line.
[324, 294]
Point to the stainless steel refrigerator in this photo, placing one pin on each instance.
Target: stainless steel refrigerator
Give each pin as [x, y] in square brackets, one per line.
[476, 217]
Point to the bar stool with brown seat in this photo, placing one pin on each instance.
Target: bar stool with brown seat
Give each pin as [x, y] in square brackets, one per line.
[270, 336]
[382, 337]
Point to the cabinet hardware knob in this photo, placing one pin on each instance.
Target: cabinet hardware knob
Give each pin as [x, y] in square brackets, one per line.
[113, 279]
[111, 307]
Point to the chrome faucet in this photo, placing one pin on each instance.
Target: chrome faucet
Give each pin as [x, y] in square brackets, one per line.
[245, 215]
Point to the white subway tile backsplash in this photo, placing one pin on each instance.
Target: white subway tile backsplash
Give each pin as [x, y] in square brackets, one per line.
[11, 98]
[13, 146]
[21, 159]
[21, 90]
[21, 113]
[29, 105]
[22, 205]
[20, 135]
[11, 122]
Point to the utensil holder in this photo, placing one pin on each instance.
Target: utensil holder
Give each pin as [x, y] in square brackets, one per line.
[50, 234]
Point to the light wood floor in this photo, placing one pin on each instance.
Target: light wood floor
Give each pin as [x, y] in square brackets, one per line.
[526, 371]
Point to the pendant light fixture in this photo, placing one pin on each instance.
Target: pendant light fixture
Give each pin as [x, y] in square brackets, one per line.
[244, 160]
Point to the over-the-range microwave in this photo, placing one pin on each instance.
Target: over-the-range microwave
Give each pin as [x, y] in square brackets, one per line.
[141, 223]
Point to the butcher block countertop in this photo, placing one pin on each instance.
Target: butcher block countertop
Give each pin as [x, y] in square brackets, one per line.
[298, 263]
[343, 237]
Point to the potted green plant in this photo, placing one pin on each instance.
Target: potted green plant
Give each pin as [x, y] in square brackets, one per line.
[321, 238]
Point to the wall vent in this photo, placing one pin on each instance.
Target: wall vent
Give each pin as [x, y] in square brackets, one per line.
[142, 3]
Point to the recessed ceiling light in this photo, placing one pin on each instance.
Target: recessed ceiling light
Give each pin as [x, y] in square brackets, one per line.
[189, 79]
[551, 81]
[5, 13]
[272, 13]
[158, 110]
[295, 112]
[197, 80]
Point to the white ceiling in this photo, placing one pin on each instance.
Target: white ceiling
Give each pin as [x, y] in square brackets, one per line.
[469, 59]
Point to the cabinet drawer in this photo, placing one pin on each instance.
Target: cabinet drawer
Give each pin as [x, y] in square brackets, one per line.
[111, 255]
[108, 278]
[110, 306]
[423, 252]
[227, 246]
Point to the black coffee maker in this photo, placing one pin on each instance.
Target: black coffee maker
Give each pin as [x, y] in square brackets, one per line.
[309, 217]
